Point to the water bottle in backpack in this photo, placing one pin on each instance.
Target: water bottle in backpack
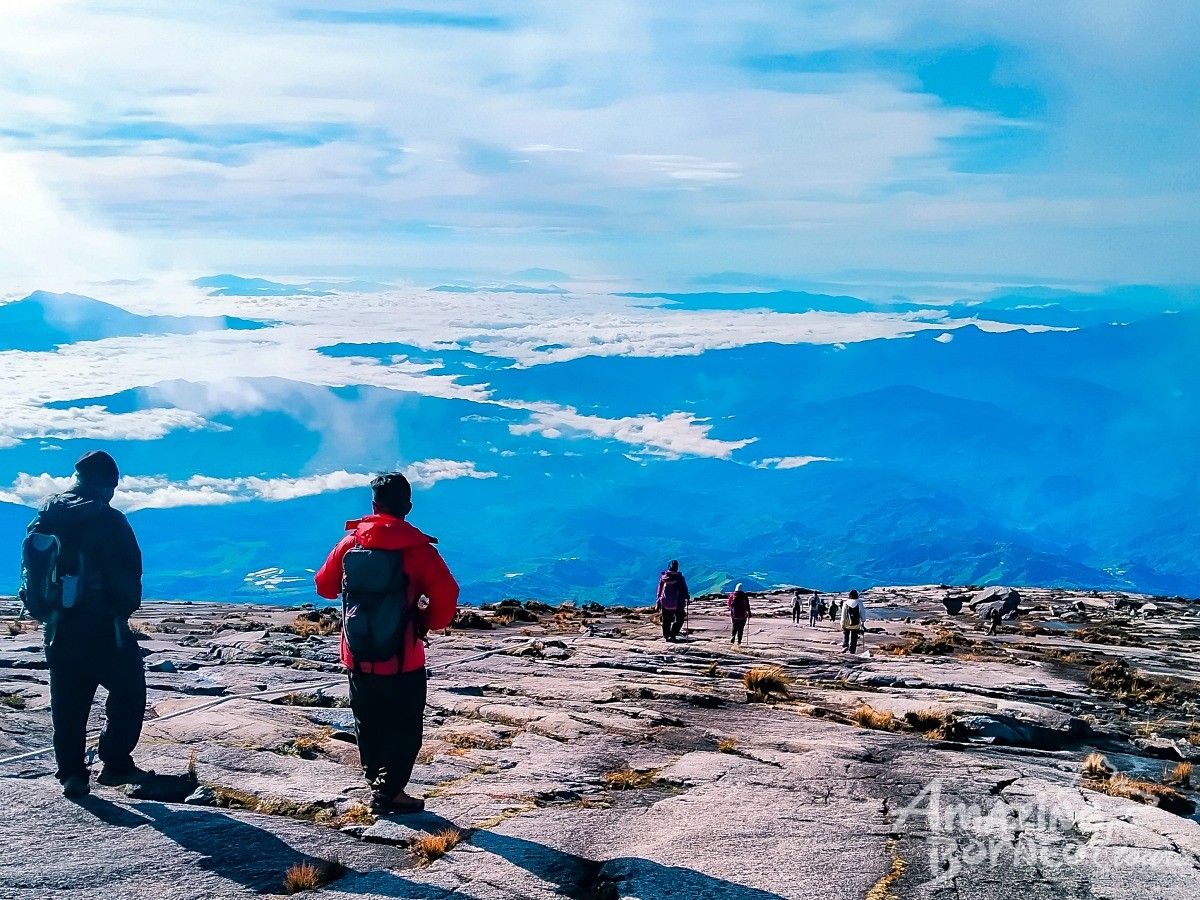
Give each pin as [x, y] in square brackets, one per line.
[51, 582]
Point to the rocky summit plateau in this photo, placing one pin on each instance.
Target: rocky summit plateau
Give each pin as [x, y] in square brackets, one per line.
[571, 752]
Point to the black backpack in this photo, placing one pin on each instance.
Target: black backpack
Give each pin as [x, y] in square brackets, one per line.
[375, 605]
[51, 579]
[854, 615]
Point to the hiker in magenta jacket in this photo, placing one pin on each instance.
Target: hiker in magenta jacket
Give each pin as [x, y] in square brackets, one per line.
[673, 599]
[388, 697]
[739, 611]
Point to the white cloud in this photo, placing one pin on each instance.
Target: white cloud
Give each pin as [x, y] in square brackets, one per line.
[790, 462]
[674, 435]
[430, 471]
[24, 420]
[627, 136]
[157, 492]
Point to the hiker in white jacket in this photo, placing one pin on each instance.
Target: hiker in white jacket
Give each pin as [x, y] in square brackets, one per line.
[854, 618]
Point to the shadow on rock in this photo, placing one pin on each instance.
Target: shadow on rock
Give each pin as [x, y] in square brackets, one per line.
[232, 849]
[586, 879]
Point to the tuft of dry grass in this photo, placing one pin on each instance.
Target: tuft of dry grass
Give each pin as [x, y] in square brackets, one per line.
[711, 671]
[432, 847]
[867, 716]
[467, 740]
[930, 722]
[323, 701]
[12, 700]
[1096, 767]
[944, 643]
[232, 798]
[1121, 681]
[315, 623]
[191, 767]
[309, 876]
[1110, 634]
[15, 627]
[308, 746]
[301, 877]
[1193, 738]
[727, 745]
[358, 814]
[628, 779]
[1182, 774]
[1146, 792]
[766, 682]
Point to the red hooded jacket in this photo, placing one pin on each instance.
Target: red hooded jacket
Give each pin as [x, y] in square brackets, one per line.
[427, 576]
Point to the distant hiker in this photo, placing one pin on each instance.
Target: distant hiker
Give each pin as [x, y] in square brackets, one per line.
[382, 570]
[81, 576]
[739, 612]
[814, 610]
[854, 616]
[673, 599]
[796, 609]
[994, 617]
[822, 609]
[833, 610]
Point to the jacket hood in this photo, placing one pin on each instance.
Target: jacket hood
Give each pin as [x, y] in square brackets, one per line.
[672, 576]
[383, 532]
[72, 508]
[854, 601]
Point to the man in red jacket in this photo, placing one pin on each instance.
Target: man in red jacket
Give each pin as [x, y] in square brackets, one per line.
[388, 695]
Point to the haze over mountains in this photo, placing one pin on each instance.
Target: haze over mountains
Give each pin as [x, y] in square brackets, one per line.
[566, 442]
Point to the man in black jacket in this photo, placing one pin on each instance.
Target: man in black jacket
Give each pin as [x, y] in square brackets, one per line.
[90, 644]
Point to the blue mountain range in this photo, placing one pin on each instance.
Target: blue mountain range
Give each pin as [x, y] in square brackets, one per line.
[43, 321]
[1064, 457]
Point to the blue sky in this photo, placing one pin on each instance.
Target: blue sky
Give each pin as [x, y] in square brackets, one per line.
[639, 143]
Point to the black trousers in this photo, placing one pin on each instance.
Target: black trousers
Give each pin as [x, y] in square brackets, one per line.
[74, 677]
[672, 622]
[739, 628]
[812, 618]
[850, 639]
[389, 715]
[795, 614]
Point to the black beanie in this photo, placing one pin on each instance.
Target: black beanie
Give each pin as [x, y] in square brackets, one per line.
[97, 469]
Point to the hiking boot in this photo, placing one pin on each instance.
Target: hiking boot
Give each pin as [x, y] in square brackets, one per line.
[401, 804]
[77, 786]
[109, 778]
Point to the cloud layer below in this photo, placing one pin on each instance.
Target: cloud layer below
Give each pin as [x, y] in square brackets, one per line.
[157, 492]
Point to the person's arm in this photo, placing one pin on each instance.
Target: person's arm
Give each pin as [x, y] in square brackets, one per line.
[329, 577]
[124, 565]
[442, 590]
[662, 583]
[687, 595]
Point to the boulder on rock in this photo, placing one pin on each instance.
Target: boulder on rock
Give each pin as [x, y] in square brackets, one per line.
[1005, 600]
[953, 603]
[995, 595]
